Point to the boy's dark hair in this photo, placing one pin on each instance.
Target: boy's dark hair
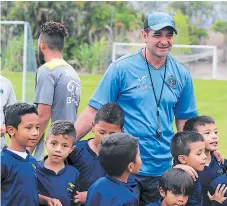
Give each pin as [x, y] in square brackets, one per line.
[110, 113]
[13, 113]
[180, 143]
[62, 127]
[116, 151]
[53, 34]
[193, 123]
[177, 181]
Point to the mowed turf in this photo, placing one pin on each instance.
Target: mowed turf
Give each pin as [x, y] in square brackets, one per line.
[211, 98]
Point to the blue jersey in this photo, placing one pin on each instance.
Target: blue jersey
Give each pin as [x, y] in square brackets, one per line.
[88, 164]
[110, 191]
[127, 82]
[197, 198]
[210, 172]
[219, 180]
[18, 180]
[157, 203]
[62, 186]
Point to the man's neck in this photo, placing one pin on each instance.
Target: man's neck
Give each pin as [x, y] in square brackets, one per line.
[16, 147]
[155, 61]
[208, 154]
[123, 178]
[56, 167]
[53, 55]
[93, 146]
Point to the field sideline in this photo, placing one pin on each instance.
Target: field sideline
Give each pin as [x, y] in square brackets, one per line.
[211, 97]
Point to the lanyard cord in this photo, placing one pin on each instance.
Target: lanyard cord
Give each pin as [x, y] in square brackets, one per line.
[157, 101]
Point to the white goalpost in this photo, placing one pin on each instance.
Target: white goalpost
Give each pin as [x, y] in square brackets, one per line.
[191, 56]
[26, 28]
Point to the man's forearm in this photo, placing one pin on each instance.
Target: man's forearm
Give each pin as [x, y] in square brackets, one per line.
[84, 122]
[180, 124]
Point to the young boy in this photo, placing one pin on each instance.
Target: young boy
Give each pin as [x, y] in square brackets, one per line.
[119, 156]
[205, 125]
[56, 179]
[188, 148]
[18, 167]
[175, 186]
[109, 119]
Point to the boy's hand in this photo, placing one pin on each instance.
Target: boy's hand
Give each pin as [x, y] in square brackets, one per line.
[2, 130]
[219, 157]
[80, 197]
[189, 170]
[54, 202]
[219, 194]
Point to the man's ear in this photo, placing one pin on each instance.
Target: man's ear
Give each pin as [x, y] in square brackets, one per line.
[43, 45]
[92, 126]
[144, 36]
[182, 159]
[130, 167]
[11, 130]
[162, 192]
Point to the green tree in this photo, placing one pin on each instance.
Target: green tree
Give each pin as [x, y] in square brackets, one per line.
[221, 26]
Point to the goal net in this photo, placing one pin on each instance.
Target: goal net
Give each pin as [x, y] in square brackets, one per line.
[200, 60]
[18, 61]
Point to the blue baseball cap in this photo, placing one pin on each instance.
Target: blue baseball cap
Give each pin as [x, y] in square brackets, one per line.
[158, 20]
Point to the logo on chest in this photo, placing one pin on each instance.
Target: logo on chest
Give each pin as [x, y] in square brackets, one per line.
[70, 187]
[172, 81]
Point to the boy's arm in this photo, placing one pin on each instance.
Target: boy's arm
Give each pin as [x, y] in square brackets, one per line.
[49, 201]
[93, 198]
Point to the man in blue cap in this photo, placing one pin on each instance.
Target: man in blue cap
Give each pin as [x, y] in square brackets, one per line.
[152, 88]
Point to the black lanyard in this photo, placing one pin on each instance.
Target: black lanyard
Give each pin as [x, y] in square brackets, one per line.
[158, 131]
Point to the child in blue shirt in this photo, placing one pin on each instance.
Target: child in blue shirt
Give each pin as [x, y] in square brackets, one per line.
[119, 156]
[109, 119]
[175, 186]
[206, 126]
[188, 148]
[18, 167]
[56, 179]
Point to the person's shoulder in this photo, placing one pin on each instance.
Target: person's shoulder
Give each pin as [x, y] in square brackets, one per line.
[72, 170]
[81, 146]
[177, 65]
[78, 152]
[127, 59]
[5, 81]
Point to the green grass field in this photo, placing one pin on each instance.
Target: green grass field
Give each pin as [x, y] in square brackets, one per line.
[211, 97]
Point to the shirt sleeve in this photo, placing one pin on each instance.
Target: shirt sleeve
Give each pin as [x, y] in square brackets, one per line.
[93, 198]
[108, 88]
[186, 106]
[44, 91]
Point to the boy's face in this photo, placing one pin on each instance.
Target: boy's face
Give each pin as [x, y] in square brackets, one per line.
[59, 147]
[102, 129]
[197, 157]
[137, 163]
[27, 133]
[210, 135]
[171, 199]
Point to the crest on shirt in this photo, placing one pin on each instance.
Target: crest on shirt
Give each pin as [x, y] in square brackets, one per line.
[220, 171]
[172, 81]
[1, 91]
[70, 187]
